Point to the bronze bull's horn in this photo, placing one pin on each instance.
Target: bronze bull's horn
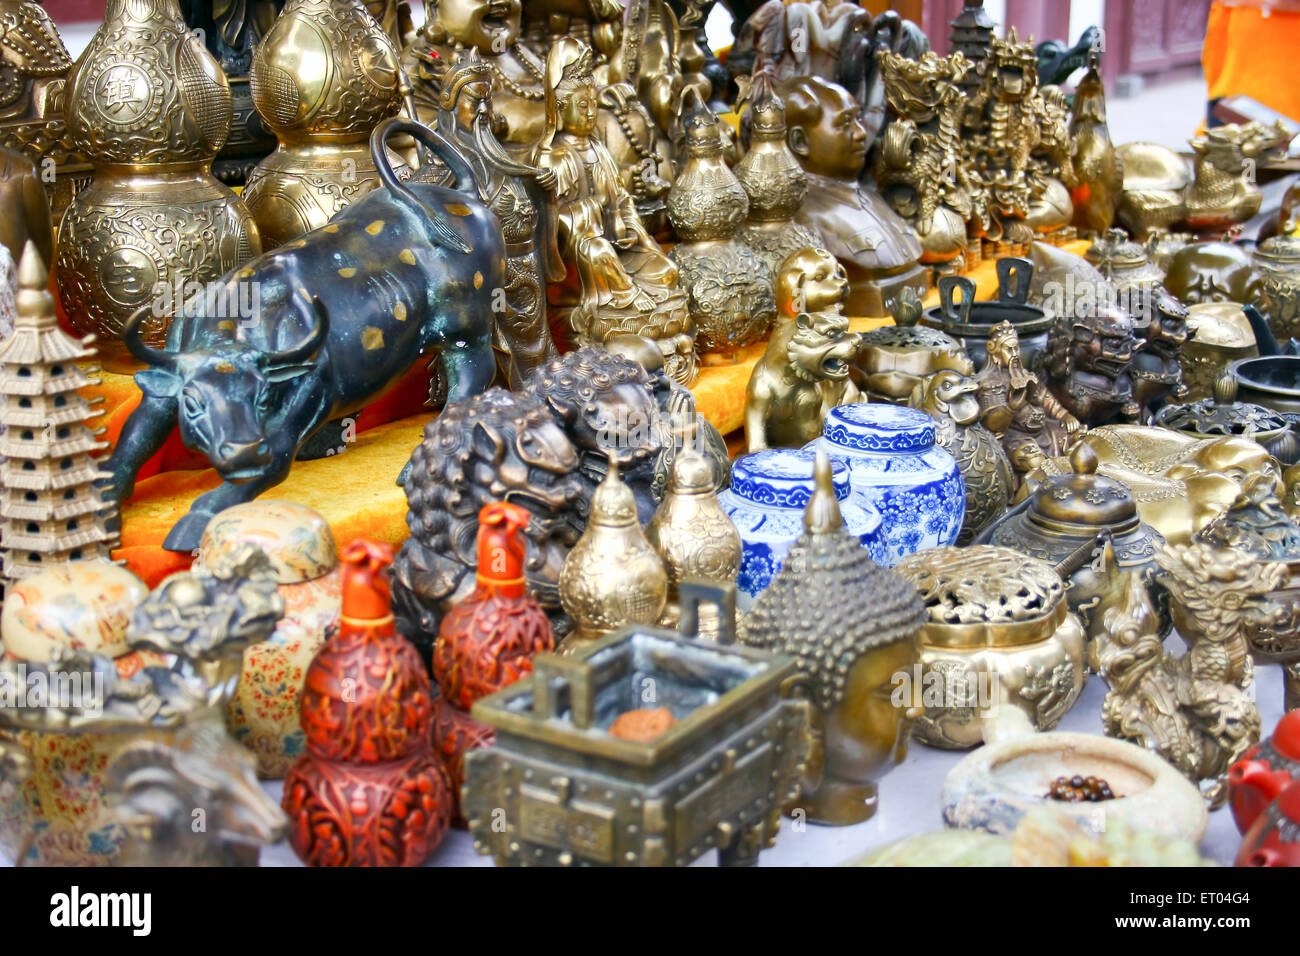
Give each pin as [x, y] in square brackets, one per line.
[310, 344]
[158, 358]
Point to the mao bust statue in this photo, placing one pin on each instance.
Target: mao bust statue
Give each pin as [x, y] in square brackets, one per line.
[880, 251]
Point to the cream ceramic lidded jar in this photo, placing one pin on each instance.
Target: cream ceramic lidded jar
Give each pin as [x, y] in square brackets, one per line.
[56, 816]
[263, 713]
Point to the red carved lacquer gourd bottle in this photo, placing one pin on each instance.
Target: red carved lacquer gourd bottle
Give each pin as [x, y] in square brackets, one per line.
[487, 641]
[369, 790]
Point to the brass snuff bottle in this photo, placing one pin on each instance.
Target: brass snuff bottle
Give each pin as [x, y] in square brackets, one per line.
[612, 576]
[693, 534]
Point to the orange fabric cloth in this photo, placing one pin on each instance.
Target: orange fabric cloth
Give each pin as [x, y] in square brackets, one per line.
[368, 502]
[1254, 55]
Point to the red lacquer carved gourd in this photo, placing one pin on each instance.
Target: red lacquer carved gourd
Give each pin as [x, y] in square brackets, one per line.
[487, 641]
[369, 790]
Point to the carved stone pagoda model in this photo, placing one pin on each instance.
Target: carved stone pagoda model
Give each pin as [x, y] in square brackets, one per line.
[51, 510]
[322, 79]
[729, 287]
[774, 182]
[850, 625]
[150, 108]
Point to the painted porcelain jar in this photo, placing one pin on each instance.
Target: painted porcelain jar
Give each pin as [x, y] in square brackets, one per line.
[87, 606]
[769, 491]
[263, 712]
[895, 466]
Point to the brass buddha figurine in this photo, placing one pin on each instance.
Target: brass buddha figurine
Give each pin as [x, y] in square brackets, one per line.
[520, 197]
[773, 180]
[627, 284]
[850, 625]
[492, 28]
[644, 154]
[878, 249]
[798, 37]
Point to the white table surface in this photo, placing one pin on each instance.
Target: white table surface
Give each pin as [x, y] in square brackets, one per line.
[909, 799]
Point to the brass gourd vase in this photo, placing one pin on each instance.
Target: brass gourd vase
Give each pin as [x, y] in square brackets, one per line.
[732, 300]
[150, 108]
[694, 536]
[323, 78]
[612, 576]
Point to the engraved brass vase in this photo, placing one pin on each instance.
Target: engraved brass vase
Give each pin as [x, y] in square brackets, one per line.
[150, 108]
[323, 78]
[730, 290]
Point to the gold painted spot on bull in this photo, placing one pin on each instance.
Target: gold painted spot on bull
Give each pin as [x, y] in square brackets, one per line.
[407, 256]
[331, 228]
[226, 325]
[376, 227]
[225, 367]
[371, 338]
[399, 312]
[347, 272]
[478, 280]
[457, 209]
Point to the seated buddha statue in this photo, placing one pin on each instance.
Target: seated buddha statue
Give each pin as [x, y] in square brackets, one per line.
[879, 251]
[627, 284]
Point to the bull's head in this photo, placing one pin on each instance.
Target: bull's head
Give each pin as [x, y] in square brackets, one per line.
[226, 395]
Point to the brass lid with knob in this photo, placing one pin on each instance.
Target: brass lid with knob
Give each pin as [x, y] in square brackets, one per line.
[1084, 498]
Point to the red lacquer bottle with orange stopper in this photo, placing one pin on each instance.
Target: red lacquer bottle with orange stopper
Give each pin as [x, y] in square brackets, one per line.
[369, 790]
[486, 642]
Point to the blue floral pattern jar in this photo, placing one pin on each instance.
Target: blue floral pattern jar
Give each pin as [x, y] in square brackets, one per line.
[895, 467]
[769, 491]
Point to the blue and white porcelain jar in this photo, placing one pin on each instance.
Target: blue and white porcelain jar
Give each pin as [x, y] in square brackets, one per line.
[895, 467]
[769, 491]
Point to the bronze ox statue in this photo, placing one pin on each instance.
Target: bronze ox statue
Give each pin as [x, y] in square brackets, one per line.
[319, 328]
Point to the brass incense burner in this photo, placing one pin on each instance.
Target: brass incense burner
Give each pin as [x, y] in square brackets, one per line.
[1000, 648]
[894, 359]
[1224, 415]
[559, 788]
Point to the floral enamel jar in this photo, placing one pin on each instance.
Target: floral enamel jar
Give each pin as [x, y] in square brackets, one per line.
[263, 712]
[769, 491]
[82, 606]
[896, 468]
